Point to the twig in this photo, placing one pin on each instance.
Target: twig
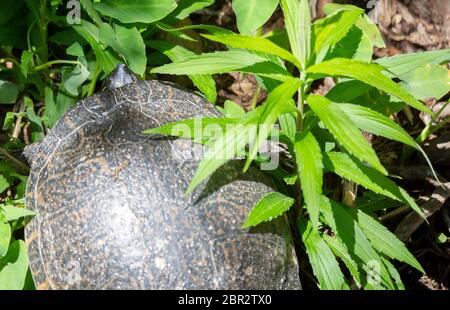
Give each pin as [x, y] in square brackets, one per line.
[20, 166]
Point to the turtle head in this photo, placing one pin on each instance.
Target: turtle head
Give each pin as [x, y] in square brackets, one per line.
[120, 76]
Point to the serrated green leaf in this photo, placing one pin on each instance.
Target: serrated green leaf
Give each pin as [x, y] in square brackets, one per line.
[378, 124]
[275, 104]
[394, 274]
[205, 83]
[297, 18]
[252, 14]
[323, 262]
[368, 73]
[200, 130]
[385, 241]
[5, 236]
[345, 131]
[330, 30]
[258, 44]
[14, 267]
[136, 11]
[308, 157]
[349, 168]
[401, 65]
[354, 240]
[268, 208]
[225, 62]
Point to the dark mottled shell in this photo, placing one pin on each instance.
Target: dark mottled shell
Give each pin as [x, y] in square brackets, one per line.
[111, 213]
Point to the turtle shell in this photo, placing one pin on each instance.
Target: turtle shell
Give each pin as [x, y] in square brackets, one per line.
[111, 211]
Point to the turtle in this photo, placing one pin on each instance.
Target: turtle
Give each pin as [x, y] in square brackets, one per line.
[110, 203]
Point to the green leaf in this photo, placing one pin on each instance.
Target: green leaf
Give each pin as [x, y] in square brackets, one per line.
[233, 110]
[136, 11]
[8, 92]
[349, 168]
[225, 62]
[15, 267]
[275, 104]
[25, 62]
[258, 44]
[252, 14]
[356, 243]
[268, 208]
[394, 274]
[345, 131]
[4, 184]
[371, 30]
[200, 129]
[88, 6]
[178, 53]
[12, 213]
[72, 79]
[297, 18]
[128, 42]
[367, 73]
[186, 7]
[355, 45]
[288, 125]
[308, 157]
[225, 147]
[364, 23]
[90, 33]
[5, 236]
[323, 262]
[385, 241]
[378, 124]
[330, 30]
[403, 64]
[428, 81]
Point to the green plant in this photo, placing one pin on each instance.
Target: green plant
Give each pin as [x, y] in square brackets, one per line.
[322, 134]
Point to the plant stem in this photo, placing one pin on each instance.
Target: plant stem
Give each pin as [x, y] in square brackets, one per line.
[54, 62]
[94, 81]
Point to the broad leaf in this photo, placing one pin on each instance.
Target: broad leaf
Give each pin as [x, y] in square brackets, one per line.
[233, 110]
[8, 92]
[178, 53]
[252, 14]
[12, 213]
[127, 42]
[88, 6]
[323, 262]
[368, 73]
[5, 236]
[136, 11]
[186, 7]
[345, 131]
[429, 81]
[385, 241]
[90, 33]
[258, 44]
[297, 18]
[308, 157]
[14, 267]
[268, 208]
[349, 168]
